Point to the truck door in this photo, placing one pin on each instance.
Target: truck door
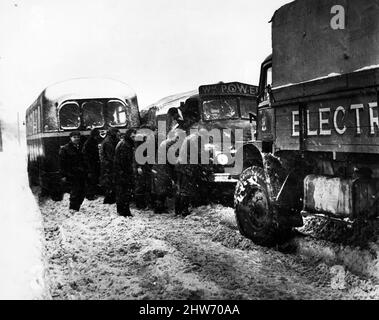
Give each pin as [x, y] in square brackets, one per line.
[266, 116]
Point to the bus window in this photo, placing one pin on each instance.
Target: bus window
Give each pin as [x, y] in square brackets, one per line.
[69, 116]
[38, 119]
[30, 124]
[93, 114]
[34, 121]
[117, 115]
[247, 105]
[50, 121]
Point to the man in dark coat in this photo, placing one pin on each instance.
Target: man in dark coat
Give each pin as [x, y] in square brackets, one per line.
[92, 160]
[163, 175]
[142, 185]
[73, 169]
[107, 152]
[124, 166]
[191, 179]
[142, 190]
[162, 186]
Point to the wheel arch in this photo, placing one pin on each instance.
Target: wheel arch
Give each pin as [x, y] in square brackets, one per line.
[252, 156]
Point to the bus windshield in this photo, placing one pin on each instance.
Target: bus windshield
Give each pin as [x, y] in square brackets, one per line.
[117, 115]
[69, 116]
[220, 109]
[93, 114]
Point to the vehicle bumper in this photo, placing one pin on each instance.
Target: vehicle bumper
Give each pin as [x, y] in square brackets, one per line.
[223, 178]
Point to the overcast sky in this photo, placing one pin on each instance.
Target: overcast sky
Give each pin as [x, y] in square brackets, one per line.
[158, 47]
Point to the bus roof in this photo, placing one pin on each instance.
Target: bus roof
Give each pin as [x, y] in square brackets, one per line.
[164, 104]
[86, 88]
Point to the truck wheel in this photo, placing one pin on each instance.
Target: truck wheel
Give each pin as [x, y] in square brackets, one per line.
[253, 210]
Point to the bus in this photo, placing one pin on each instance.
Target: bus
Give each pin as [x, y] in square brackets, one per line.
[77, 104]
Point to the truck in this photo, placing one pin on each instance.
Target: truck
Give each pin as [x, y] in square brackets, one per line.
[317, 121]
[227, 111]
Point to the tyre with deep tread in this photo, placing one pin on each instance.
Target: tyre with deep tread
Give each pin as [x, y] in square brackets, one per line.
[253, 210]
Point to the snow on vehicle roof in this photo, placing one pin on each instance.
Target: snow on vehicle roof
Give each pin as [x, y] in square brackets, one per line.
[85, 88]
[331, 75]
[163, 105]
[368, 68]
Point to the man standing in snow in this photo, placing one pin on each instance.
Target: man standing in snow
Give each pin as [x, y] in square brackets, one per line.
[92, 160]
[191, 178]
[107, 152]
[143, 173]
[73, 169]
[163, 174]
[124, 166]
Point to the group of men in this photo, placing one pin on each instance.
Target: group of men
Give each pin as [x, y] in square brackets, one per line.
[113, 166]
[185, 181]
[86, 167]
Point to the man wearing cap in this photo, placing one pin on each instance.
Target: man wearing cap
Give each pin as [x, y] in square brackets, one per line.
[192, 179]
[163, 174]
[92, 160]
[143, 169]
[73, 169]
[107, 153]
[124, 165]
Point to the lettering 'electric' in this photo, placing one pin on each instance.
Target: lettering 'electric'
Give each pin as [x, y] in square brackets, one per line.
[328, 120]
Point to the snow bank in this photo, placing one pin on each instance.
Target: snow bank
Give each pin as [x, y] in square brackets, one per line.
[21, 231]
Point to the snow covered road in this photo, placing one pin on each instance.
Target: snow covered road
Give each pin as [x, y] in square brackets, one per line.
[21, 234]
[95, 254]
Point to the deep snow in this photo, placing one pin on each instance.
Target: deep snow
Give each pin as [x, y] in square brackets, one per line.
[21, 232]
[95, 254]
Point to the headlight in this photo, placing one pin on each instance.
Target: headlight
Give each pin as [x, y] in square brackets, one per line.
[222, 159]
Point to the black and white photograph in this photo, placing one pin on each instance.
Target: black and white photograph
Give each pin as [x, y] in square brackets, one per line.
[202, 151]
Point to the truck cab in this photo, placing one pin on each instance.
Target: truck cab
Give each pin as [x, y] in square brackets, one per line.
[227, 112]
[265, 123]
[318, 122]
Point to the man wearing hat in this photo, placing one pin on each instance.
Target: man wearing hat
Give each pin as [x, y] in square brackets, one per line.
[92, 160]
[107, 152]
[124, 177]
[73, 169]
